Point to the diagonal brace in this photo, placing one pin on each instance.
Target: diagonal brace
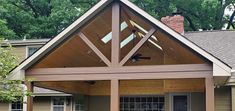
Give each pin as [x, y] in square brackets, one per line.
[94, 48]
[138, 45]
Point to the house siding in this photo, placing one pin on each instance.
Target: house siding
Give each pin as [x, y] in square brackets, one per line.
[198, 102]
[100, 103]
[4, 106]
[223, 99]
[20, 51]
[42, 104]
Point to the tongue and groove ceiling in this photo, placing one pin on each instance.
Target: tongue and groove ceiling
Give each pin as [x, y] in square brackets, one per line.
[160, 49]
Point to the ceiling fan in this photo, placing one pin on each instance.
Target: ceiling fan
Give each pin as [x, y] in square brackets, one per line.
[136, 57]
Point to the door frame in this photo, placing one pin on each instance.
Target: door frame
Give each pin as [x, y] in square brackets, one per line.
[180, 94]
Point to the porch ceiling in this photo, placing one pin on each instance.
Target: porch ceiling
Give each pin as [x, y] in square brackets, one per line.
[76, 53]
[127, 87]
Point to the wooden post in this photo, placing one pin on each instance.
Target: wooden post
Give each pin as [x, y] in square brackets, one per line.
[29, 86]
[115, 35]
[233, 97]
[210, 106]
[114, 105]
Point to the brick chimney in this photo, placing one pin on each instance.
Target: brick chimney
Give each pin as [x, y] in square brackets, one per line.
[176, 22]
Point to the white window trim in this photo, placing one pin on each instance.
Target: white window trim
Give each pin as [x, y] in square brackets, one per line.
[11, 109]
[64, 102]
[179, 94]
[27, 49]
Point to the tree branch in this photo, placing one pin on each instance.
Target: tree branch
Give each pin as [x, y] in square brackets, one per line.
[231, 20]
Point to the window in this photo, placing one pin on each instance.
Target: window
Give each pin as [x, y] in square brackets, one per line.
[17, 106]
[79, 105]
[58, 103]
[142, 103]
[31, 50]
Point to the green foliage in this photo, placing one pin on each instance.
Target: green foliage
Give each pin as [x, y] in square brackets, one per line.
[9, 90]
[199, 14]
[5, 31]
[46, 18]
[41, 18]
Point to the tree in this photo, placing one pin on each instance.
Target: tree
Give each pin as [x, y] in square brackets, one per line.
[46, 18]
[41, 18]
[5, 31]
[199, 14]
[9, 90]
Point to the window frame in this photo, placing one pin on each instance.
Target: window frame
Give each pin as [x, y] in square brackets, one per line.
[171, 100]
[52, 102]
[10, 107]
[27, 49]
[145, 96]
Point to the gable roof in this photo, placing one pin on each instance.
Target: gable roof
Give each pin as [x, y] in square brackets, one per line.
[18, 72]
[220, 44]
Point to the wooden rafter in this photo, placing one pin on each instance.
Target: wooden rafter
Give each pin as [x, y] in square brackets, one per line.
[138, 45]
[127, 19]
[115, 50]
[94, 48]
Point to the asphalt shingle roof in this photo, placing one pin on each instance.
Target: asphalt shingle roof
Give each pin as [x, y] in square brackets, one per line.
[220, 44]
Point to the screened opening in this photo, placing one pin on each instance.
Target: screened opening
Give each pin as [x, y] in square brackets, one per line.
[142, 103]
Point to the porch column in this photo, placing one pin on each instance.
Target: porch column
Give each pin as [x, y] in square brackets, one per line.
[114, 105]
[233, 97]
[29, 86]
[210, 106]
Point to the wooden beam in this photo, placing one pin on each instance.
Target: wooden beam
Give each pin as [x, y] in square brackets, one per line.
[115, 50]
[138, 45]
[127, 19]
[123, 76]
[120, 70]
[210, 105]
[127, 72]
[94, 48]
[29, 86]
[114, 97]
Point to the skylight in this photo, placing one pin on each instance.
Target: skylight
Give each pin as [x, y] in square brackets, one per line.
[108, 37]
[127, 40]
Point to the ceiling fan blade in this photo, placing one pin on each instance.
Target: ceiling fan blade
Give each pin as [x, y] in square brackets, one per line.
[145, 58]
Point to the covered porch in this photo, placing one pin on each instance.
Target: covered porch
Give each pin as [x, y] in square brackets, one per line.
[118, 51]
[151, 88]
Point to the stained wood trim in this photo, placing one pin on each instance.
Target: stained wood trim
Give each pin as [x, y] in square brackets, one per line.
[94, 48]
[138, 45]
[122, 76]
[115, 51]
[210, 97]
[126, 69]
[114, 97]
[125, 73]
